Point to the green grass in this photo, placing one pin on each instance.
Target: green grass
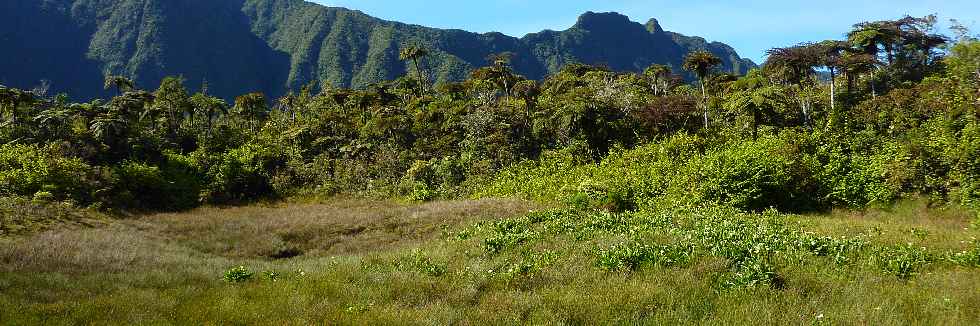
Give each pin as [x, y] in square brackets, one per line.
[491, 262]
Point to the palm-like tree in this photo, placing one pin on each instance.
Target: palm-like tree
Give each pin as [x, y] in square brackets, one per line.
[107, 126]
[12, 99]
[206, 108]
[528, 90]
[660, 78]
[54, 119]
[8, 102]
[796, 65]
[252, 107]
[120, 83]
[876, 37]
[171, 98]
[753, 94]
[500, 72]
[416, 53]
[831, 53]
[702, 63]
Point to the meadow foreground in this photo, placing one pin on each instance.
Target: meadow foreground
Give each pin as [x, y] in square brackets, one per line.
[353, 261]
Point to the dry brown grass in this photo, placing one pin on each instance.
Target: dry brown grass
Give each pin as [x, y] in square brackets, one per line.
[19, 216]
[335, 227]
[214, 237]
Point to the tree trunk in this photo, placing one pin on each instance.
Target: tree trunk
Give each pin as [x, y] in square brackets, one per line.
[803, 110]
[172, 123]
[704, 103]
[422, 82]
[871, 81]
[207, 128]
[833, 90]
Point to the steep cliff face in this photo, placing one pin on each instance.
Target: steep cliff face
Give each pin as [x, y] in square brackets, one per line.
[271, 46]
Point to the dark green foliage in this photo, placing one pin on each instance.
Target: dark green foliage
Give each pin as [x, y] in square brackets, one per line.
[238, 275]
[596, 139]
[629, 257]
[173, 186]
[903, 261]
[26, 170]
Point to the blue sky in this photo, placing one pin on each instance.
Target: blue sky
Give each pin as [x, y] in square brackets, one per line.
[752, 27]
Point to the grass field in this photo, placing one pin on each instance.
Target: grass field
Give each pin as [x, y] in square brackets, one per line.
[351, 261]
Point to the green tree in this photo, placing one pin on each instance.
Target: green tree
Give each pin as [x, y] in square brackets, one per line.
[795, 65]
[11, 100]
[416, 53]
[964, 65]
[660, 77]
[528, 91]
[54, 119]
[755, 96]
[253, 107]
[120, 83]
[831, 53]
[206, 110]
[702, 63]
[108, 127]
[499, 73]
[172, 98]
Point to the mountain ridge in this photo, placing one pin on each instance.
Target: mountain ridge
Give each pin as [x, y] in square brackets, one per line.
[272, 46]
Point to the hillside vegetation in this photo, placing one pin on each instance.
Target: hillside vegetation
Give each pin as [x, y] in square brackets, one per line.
[270, 46]
[770, 197]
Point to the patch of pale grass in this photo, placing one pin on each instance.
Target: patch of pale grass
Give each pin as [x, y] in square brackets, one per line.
[913, 221]
[19, 216]
[345, 226]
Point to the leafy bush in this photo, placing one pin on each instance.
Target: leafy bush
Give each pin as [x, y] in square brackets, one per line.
[969, 257]
[26, 170]
[903, 261]
[421, 262]
[754, 273]
[632, 255]
[174, 186]
[238, 275]
[857, 180]
[748, 175]
[242, 174]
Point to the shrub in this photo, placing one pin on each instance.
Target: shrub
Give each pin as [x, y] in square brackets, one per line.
[172, 186]
[969, 257]
[238, 275]
[242, 174]
[748, 175]
[903, 261]
[754, 273]
[26, 170]
[631, 256]
[423, 264]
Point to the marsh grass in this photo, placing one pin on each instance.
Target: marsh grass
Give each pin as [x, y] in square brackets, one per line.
[406, 267]
[20, 216]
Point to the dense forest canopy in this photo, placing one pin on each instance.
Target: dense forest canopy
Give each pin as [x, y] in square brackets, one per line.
[272, 46]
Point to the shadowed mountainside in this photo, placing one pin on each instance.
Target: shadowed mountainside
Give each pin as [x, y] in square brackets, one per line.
[271, 46]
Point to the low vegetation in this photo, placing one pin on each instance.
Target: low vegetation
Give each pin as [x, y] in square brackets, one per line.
[906, 264]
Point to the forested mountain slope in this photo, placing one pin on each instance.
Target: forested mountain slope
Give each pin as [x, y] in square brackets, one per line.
[271, 46]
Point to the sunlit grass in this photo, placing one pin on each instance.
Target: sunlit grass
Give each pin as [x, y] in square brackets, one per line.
[168, 269]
